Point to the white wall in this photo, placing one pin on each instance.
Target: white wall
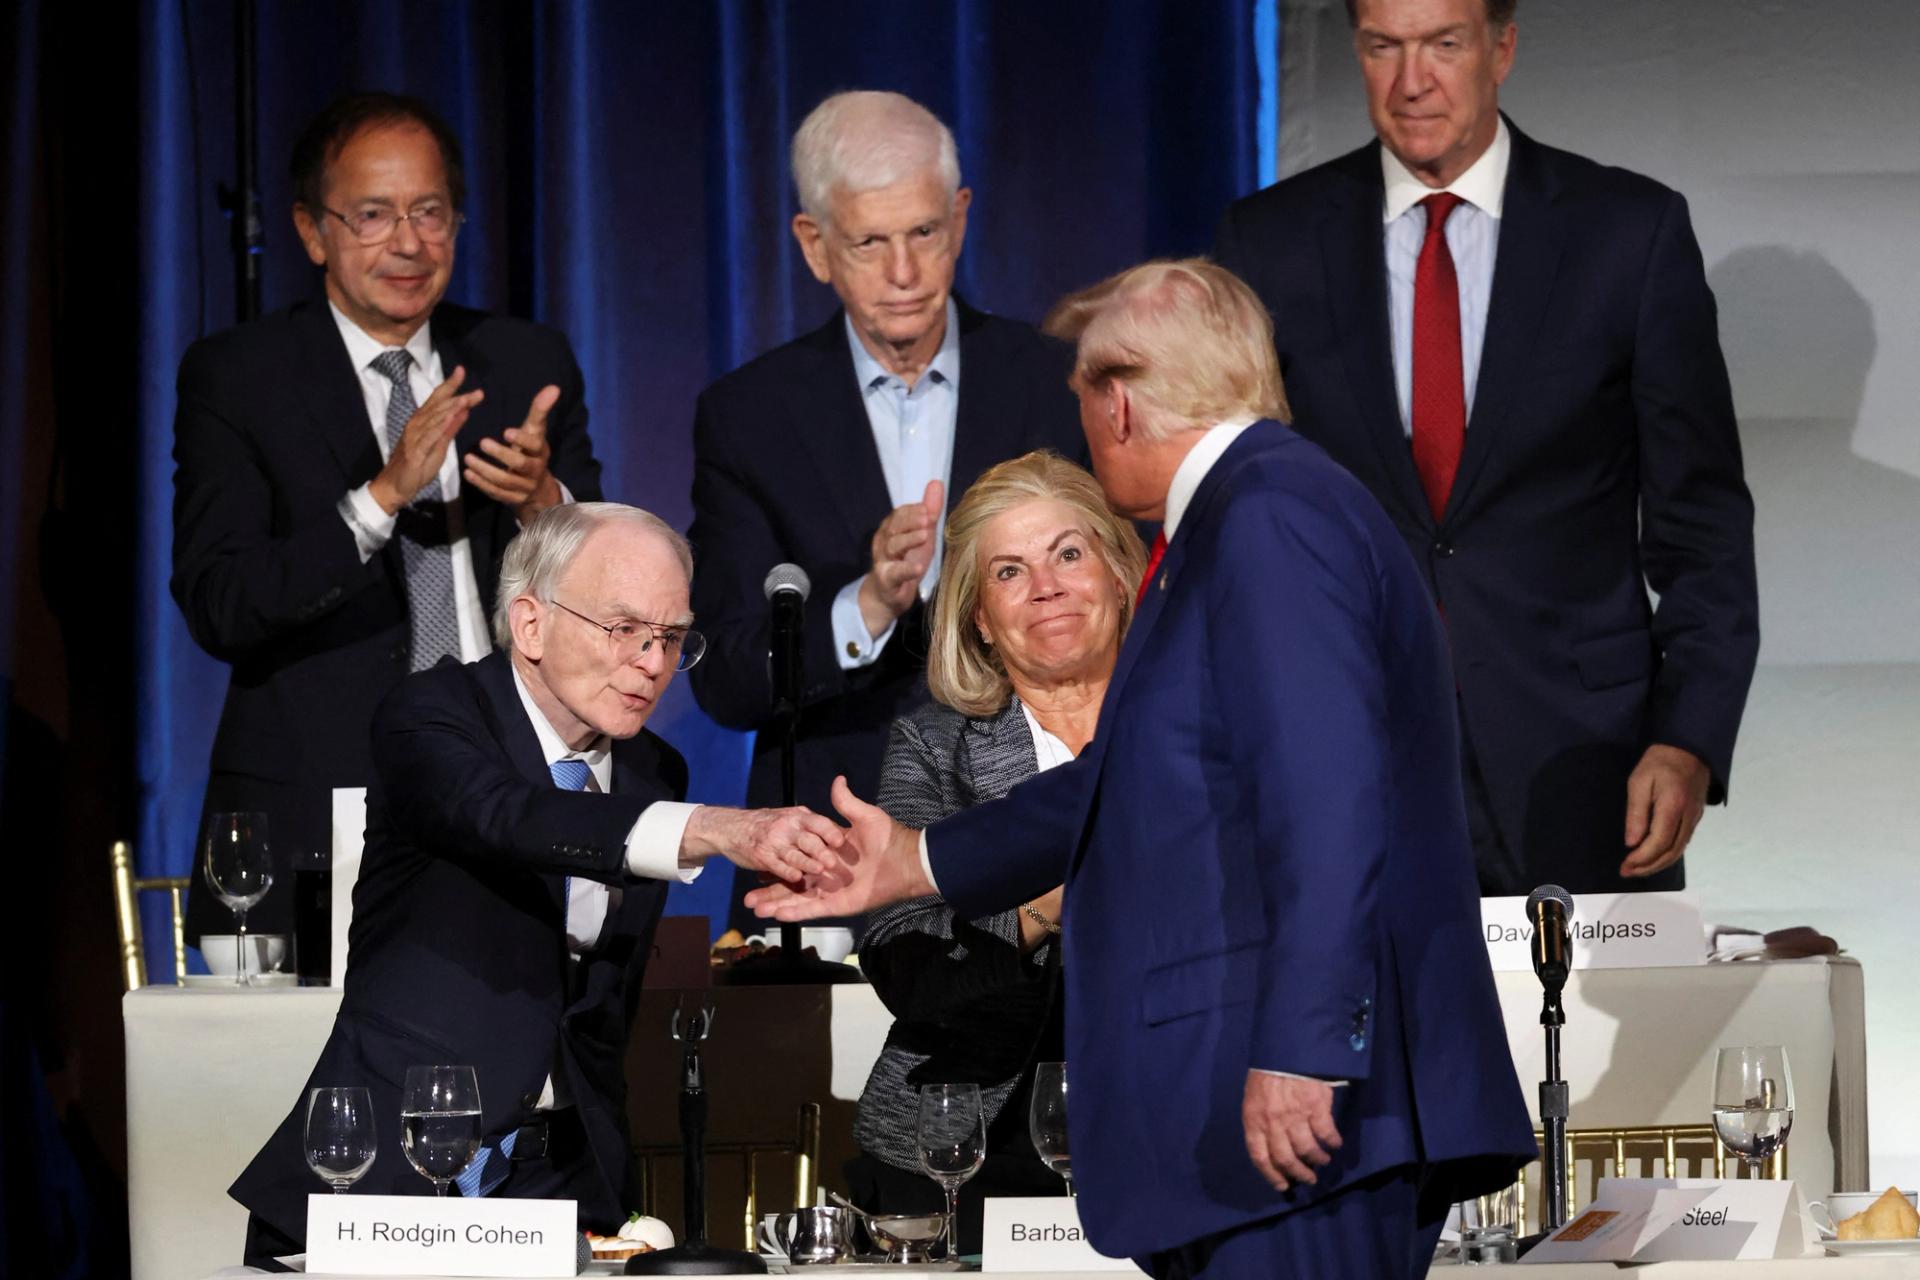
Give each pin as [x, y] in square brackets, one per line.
[1793, 128]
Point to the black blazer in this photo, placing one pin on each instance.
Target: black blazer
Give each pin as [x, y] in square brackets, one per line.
[271, 432]
[458, 949]
[1602, 459]
[785, 471]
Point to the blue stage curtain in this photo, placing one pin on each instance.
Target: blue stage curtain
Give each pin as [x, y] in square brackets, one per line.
[627, 169]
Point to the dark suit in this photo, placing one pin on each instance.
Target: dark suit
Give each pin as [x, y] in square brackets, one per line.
[1602, 458]
[785, 470]
[458, 949]
[1267, 867]
[272, 431]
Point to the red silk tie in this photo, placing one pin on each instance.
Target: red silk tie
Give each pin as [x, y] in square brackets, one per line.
[1153, 563]
[1439, 389]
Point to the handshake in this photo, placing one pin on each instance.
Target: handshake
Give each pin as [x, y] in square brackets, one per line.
[822, 868]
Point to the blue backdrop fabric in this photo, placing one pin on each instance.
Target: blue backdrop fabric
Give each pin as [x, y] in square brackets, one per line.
[627, 176]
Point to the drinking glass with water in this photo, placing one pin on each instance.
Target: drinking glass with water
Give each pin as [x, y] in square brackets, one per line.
[1752, 1101]
[440, 1122]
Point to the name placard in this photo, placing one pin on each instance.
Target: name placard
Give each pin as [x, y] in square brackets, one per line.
[1695, 1219]
[1041, 1233]
[1610, 931]
[355, 1235]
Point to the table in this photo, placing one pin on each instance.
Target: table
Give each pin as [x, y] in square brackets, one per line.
[210, 1072]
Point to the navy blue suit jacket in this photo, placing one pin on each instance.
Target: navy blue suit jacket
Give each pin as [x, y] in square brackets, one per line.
[458, 948]
[1602, 458]
[785, 470]
[1267, 866]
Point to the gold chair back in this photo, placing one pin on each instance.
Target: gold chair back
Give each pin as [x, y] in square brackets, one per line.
[1661, 1151]
[126, 912]
[804, 1151]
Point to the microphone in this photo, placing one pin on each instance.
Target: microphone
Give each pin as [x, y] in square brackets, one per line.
[1550, 909]
[787, 587]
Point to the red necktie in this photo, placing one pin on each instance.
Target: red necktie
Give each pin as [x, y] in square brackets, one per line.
[1153, 562]
[1439, 390]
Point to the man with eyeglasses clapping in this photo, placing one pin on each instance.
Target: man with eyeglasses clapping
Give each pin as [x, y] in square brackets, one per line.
[350, 469]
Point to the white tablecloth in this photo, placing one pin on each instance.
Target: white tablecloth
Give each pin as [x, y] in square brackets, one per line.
[211, 1072]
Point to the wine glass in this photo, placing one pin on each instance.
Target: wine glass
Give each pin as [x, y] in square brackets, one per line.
[953, 1143]
[1752, 1101]
[339, 1135]
[1047, 1119]
[239, 870]
[440, 1122]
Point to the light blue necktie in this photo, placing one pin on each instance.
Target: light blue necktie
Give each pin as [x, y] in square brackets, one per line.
[568, 775]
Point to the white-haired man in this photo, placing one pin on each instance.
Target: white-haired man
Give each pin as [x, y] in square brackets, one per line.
[836, 451]
[521, 831]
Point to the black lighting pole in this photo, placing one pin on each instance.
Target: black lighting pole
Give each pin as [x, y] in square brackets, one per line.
[243, 203]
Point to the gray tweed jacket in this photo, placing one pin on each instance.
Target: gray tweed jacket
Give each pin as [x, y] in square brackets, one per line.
[968, 1004]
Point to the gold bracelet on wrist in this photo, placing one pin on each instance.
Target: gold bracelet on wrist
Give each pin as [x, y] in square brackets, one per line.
[1032, 913]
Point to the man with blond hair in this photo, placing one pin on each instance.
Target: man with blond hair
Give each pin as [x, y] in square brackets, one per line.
[522, 829]
[836, 452]
[1288, 1055]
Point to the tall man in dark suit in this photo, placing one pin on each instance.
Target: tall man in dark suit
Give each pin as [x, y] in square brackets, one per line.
[836, 451]
[522, 827]
[1286, 1049]
[1514, 348]
[350, 471]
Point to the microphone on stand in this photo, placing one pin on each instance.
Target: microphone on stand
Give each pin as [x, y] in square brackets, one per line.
[1550, 911]
[787, 587]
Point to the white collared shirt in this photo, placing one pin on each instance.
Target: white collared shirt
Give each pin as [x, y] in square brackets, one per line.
[1473, 238]
[1048, 751]
[372, 526]
[1193, 469]
[913, 430]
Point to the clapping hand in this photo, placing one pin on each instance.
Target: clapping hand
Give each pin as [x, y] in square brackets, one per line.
[515, 471]
[422, 447]
[902, 551]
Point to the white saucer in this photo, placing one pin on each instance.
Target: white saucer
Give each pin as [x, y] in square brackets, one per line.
[215, 981]
[1870, 1248]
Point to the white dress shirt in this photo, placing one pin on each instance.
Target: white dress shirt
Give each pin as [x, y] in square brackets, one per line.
[372, 526]
[1473, 238]
[913, 431]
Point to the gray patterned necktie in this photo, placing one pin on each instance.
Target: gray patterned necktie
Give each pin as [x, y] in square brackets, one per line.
[425, 551]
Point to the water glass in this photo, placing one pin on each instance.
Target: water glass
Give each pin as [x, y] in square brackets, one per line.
[953, 1144]
[239, 869]
[1752, 1101]
[1490, 1227]
[440, 1122]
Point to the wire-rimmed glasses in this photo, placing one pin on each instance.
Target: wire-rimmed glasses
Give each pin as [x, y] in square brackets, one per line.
[433, 223]
[634, 637]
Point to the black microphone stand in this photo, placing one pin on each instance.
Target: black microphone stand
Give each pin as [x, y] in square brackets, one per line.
[694, 1256]
[793, 968]
[1553, 1116]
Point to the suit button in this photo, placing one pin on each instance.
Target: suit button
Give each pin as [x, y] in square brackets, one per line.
[1357, 1042]
[1443, 549]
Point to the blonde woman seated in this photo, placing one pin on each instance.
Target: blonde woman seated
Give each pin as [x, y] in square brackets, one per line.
[1037, 592]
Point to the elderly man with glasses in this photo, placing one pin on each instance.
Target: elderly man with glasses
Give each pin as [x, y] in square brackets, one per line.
[522, 829]
[350, 470]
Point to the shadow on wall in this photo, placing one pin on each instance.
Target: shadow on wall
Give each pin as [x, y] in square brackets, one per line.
[1834, 532]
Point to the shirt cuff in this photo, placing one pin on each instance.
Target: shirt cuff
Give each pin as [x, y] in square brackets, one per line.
[853, 647]
[653, 846]
[1294, 1075]
[371, 525]
[926, 862]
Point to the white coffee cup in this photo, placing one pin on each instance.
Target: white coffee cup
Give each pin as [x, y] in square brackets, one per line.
[1841, 1205]
[266, 952]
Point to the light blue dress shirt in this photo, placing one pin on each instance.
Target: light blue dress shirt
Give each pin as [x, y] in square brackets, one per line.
[1473, 237]
[913, 433]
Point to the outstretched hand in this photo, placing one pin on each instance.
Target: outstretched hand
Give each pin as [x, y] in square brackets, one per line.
[879, 864]
[790, 844]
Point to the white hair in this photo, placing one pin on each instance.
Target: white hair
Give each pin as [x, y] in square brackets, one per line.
[541, 554]
[864, 140]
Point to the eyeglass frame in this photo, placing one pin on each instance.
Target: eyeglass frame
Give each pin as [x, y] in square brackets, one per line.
[654, 630]
[453, 227]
